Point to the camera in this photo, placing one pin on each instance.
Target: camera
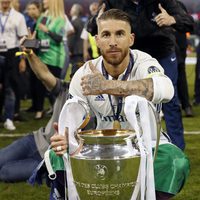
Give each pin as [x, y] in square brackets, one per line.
[35, 44]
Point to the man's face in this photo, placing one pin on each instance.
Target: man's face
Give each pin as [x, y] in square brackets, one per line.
[94, 9]
[5, 4]
[114, 39]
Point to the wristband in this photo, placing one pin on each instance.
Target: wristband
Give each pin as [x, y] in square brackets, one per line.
[23, 53]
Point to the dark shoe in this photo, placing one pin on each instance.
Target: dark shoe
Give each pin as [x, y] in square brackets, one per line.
[19, 118]
[195, 103]
[39, 115]
[1, 119]
[31, 109]
[188, 112]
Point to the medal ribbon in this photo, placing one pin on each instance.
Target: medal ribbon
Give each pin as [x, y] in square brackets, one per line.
[120, 99]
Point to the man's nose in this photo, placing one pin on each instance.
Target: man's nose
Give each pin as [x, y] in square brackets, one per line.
[113, 41]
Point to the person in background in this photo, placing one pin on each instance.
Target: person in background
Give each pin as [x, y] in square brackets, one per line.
[29, 150]
[32, 13]
[19, 159]
[90, 49]
[50, 30]
[196, 101]
[69, 31]
[182, 86]
[154, 23]
[13, 27]
[75, 43]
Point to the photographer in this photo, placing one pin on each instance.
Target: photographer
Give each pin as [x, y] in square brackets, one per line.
[50, 30]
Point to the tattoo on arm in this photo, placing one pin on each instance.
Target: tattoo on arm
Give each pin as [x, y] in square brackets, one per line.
[142, 88]
[93, 84]
[145, 88]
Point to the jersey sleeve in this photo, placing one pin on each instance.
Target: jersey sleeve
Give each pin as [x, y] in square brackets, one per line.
[21, 28]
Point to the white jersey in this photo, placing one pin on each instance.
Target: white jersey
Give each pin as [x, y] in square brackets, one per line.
[144, 66]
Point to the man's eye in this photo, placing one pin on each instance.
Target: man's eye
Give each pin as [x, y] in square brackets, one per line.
[120, 34]
[105, 35]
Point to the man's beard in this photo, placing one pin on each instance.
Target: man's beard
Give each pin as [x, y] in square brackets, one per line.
[115, 61]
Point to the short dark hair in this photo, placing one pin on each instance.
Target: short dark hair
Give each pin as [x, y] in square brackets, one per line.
[36, 3]
[116, 14]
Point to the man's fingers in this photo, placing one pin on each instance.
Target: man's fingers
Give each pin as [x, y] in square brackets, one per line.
[31, 35]
[34, 35]
[93, 68]
[22, 40]
[102, 9]
[55, 126]
[161, 8]
[60, 150]
[29, 32]
[56, 143]
[59, 143]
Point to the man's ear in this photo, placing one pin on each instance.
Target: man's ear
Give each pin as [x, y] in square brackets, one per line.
[132, 39]
[97, 40]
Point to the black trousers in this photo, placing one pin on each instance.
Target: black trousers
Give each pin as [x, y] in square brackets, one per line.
[38, 91]
[11, 76]
[182, 86]
[197, 78]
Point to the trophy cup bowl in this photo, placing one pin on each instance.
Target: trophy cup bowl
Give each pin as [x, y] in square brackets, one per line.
[106, 167]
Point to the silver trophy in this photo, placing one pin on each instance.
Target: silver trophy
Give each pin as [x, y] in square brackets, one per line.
[106, 167]
[106, 164]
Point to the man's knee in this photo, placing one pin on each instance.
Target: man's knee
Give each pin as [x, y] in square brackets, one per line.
[4, 174]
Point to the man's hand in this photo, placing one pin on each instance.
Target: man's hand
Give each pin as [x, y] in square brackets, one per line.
[101, 11]
[164, 19]
[59, 143]
[93, 83]
[22, 65]
[30, 36]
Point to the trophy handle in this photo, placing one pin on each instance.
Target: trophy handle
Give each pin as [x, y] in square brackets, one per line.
[158, 127]
[74, 115]
[64, 115]
[80, 145]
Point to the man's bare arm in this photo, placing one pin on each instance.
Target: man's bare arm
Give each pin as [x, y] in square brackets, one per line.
[42, 72]
[95, 83]
[143, 88]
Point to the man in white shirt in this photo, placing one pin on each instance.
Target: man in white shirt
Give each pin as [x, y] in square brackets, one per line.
[103, 84]
[12, 28]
